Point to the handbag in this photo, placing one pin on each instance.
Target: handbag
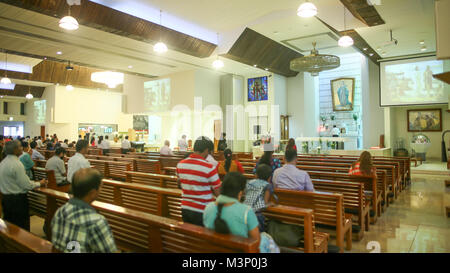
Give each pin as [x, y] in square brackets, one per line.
[285, 234]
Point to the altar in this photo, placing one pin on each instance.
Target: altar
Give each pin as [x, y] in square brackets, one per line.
[349, 142]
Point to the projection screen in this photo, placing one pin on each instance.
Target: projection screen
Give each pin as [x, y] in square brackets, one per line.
[411, 82]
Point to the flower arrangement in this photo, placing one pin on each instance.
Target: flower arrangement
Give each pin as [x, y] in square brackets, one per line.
[421, 139]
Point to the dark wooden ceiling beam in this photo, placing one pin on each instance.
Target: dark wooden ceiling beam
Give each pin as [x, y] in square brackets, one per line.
[364, 12]
[55, 72]
[254, 48]
[358, 42]
[103, 18]
[22, 91]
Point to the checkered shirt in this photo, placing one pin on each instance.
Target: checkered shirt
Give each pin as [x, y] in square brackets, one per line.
[79, 223]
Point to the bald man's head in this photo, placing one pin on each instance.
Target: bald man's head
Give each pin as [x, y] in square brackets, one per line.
[84, 181]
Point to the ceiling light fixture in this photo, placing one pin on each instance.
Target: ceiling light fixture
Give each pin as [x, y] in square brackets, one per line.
[130, 66]
[111, 79]
[69, 87]
[29, 96]
[306, 10]
[422, 42]
[266, 68]
[58, 53]
[315, 62]
[5, 79]
[217, 64]
[370, 54]
[160, 47]
[423, 48]
[69, 67]
[345, 41]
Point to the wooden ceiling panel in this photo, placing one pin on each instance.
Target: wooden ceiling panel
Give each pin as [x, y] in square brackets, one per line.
[22, 91]
[253, 48]
[363, 11]
[55, 72]
[109, 20]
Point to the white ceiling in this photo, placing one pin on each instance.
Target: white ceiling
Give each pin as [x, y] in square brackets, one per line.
[34, 33]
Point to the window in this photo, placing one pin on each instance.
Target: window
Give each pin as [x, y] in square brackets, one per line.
[22, 109]
[5, 108]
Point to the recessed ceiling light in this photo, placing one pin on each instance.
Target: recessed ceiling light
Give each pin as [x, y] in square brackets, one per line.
[266, 68]
[58, 53]
[130, 66]
[371, 54]
[254, 65]
[422, 42]
[365, 48]
[423, 48]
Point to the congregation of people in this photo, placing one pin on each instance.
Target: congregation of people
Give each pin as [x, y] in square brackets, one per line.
[215, 194]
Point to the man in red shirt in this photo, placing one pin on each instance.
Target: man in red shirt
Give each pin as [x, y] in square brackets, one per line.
[199, 182]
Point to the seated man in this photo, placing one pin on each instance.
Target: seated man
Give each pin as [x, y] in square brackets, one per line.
[78, 161]
[289, 177]
[56, 163]
[65, 144]
[106, 145]
[80, 223]
[35, 154]
[165, 150]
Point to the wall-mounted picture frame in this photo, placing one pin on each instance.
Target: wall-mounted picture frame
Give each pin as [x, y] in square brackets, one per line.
[258, 89]
[343, 94]
[424, 120]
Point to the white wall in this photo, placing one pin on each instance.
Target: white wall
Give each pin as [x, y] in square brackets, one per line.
[373, 117]
[65, 110]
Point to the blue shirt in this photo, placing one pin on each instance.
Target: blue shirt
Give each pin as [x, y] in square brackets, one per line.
[240, 218]
[289, 177]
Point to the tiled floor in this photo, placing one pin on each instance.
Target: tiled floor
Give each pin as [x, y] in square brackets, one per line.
[415, 222]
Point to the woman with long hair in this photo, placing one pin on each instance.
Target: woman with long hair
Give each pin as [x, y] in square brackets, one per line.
[268, 159]
[291, 144]
[93, 141]
[363, 166]
[229, 216]
[229, 165]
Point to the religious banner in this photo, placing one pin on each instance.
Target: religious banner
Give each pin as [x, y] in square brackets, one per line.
[258, 89]
[343, 94]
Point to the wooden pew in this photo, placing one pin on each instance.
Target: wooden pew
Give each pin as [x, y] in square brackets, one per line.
[13, 239]
[151, 179]
[111, 169]
[49, 175]
[328, 211]
[370, 184]
[167, 203]
[136, 231]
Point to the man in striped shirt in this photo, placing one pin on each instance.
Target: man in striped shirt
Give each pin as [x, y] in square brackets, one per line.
[199, 181]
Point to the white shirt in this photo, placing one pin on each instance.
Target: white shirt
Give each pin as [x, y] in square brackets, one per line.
[105, 144]
[126, 144]
[75, 163]
[39, 143]
[335, 131]
[211, 160]
[182, 144]
[64, 145]
[165, 150]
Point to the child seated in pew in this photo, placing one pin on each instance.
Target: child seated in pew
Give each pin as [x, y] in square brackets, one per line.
[227, 215]
[258, 192]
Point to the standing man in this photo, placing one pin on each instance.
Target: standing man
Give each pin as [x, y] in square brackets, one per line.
[105, 145]
[78, 222]
[335, 132]
[14, 185]
[126, 145]
[222, 143]
[78, 161]
[289, 177]
[199, 182]
[182, 144]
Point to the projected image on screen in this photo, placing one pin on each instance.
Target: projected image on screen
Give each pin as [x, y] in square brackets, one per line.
[412, 82]
[157, 95]
[40, 109]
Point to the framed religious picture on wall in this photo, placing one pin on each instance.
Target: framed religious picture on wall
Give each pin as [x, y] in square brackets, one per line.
[424, 120]
[343, 94]
[258, 89]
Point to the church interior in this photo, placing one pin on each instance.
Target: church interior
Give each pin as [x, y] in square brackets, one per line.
[161, 126]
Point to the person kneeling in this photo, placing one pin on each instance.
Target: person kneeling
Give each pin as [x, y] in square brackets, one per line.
[228, 216]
